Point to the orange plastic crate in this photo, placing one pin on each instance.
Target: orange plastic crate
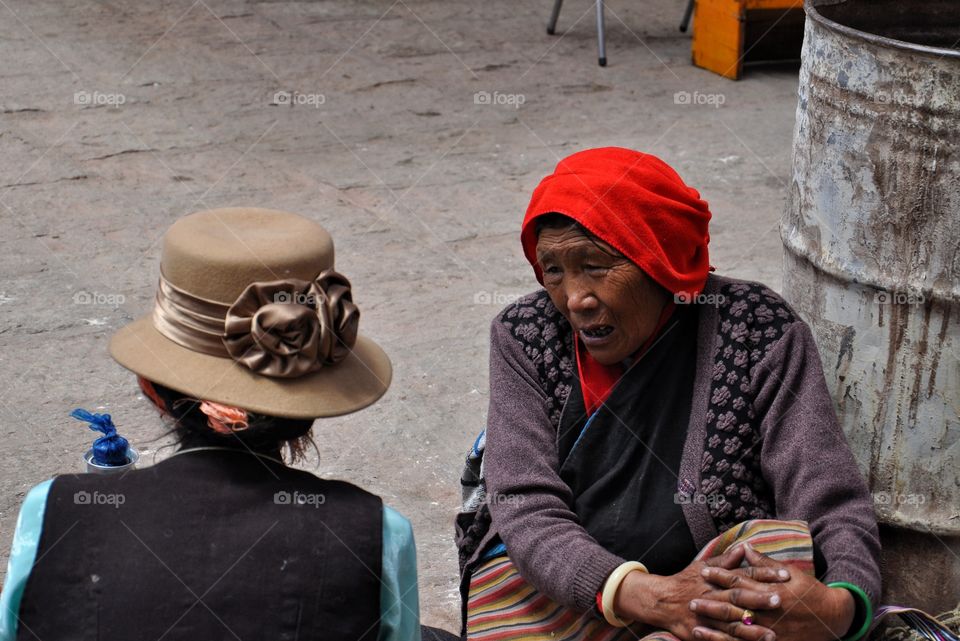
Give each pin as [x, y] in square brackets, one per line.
[722, 36]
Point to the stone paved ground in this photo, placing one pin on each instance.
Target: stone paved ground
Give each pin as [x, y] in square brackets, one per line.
[383, 142]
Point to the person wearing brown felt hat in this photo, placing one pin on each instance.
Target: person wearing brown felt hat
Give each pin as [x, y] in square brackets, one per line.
[252, 336]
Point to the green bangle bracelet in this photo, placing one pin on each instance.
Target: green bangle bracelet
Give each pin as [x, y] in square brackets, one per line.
[862, 597]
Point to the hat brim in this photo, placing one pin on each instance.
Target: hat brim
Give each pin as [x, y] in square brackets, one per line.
[350, 385]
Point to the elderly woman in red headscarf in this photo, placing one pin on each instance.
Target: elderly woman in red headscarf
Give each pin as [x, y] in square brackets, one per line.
[661, 456]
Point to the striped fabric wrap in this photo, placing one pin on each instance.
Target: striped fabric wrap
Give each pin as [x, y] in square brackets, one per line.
[784, 541]
[503, 606]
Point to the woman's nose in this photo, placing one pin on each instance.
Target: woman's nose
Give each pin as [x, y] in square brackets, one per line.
[580, 300]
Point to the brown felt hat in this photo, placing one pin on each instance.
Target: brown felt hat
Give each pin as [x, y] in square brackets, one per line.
[249, 312]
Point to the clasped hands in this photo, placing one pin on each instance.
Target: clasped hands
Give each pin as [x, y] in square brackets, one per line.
[706, 601]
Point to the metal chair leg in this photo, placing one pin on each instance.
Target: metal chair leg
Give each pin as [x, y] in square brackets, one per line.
[686, 16]
[552, 25]
[601, 43]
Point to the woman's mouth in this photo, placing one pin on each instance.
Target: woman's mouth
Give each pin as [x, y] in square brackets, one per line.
[595, 334]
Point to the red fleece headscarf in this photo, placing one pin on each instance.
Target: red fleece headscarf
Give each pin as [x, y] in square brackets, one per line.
[635, 203]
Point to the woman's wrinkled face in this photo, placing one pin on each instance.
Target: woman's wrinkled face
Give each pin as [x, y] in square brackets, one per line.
[609, 301]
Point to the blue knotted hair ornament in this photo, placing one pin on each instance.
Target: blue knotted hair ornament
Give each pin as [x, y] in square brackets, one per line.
[111, 448]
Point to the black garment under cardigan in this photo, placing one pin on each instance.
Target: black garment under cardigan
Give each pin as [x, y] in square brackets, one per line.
[622, 462]
[208, 544]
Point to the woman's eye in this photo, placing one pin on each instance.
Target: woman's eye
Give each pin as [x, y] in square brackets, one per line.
[593, 268]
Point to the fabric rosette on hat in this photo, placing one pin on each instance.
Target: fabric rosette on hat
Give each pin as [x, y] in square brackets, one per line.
[291, 328]
[249, 311]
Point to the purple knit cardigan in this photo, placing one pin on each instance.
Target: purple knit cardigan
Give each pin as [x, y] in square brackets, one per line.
[762, 442]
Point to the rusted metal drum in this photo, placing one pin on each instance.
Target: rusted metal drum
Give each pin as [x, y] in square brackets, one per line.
[872, 261]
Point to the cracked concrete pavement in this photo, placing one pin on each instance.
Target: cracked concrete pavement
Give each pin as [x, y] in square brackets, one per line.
[414, 130]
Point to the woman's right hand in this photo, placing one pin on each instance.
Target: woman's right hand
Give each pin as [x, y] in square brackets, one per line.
[664, 602]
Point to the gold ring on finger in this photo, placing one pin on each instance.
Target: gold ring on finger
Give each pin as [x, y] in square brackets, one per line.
[747, 617]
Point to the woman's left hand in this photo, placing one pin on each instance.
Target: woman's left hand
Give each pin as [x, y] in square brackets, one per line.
[809, 611]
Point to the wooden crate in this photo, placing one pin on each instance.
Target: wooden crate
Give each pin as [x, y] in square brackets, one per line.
[728, 32]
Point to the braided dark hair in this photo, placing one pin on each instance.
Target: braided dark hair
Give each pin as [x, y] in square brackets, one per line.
[259, 432]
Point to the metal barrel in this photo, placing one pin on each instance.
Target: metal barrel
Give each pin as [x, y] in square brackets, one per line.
[871, 234]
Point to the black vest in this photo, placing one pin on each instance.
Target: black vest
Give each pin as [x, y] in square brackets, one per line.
[206, 545]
